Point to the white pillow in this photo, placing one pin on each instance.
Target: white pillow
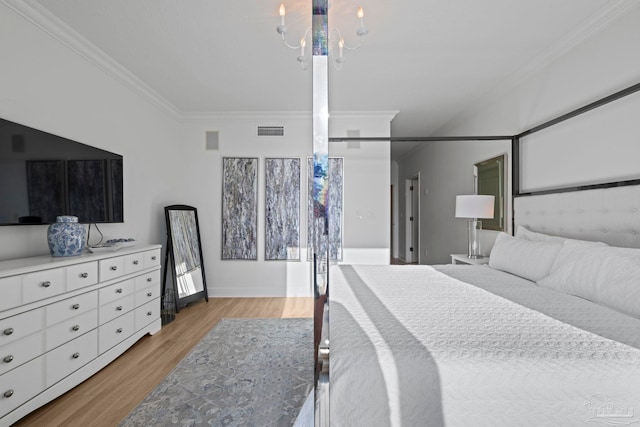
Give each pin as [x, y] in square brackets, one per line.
[524, 258]
[603, 274]
[525, 233]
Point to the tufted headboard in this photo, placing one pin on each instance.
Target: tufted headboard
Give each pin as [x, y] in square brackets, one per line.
[610, 215]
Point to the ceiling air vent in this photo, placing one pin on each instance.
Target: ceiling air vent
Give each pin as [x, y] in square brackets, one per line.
[270, 130]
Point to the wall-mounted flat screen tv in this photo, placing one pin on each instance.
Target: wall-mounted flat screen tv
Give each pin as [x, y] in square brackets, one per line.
[43, 176]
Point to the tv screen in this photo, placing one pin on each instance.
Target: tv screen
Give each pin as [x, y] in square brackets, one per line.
[43, 176]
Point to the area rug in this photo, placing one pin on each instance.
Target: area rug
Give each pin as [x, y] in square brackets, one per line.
[244, 372]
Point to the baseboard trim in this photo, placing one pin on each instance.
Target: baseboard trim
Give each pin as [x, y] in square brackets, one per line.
[254, 293]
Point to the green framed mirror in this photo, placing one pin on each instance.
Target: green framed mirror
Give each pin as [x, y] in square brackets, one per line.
[490, 180]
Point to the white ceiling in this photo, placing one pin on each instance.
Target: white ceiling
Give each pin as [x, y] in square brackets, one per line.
[428, 59]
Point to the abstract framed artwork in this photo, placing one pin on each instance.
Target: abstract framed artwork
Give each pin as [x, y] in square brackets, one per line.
[282, 209]
[331, 232]
[239, 208]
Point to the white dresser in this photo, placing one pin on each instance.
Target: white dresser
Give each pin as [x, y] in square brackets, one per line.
[64, 319]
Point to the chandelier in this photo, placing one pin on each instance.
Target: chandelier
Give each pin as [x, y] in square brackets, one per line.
[336, 42]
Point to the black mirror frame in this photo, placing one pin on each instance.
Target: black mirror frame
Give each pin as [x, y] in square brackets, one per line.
[181, 302]
[499, 220]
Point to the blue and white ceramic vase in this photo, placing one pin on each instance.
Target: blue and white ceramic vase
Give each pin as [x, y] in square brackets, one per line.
[66, 236]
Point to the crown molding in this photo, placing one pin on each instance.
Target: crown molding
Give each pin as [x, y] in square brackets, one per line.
[284, 115]
[598, 22]
[199, 116]
[381, 115]
[42, 18]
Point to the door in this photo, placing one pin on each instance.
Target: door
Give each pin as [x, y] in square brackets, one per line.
[415, 221]
[412, 215]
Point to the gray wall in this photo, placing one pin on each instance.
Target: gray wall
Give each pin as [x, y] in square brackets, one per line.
[446, 170]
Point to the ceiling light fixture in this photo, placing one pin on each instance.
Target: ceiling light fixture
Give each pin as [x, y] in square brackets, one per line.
[335, 38]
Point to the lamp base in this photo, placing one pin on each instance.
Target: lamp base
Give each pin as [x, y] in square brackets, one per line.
[473, 227]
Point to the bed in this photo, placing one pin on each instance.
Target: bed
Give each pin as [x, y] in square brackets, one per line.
[548, 334]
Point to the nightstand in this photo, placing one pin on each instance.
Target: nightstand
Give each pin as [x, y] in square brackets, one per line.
[462, 259]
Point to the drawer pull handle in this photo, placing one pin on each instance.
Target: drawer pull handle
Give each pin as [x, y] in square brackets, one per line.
[76, 327]
[114, 267]
[8, 331]
[84, 275]
[75, 355]
[75, 306]
[46, 284]
[8, 393]
[119, 308]
[153, 258]
[119, 291]
[8, 359]
[149, 313]
[149, 279]
[119, 331]
[149, 294]
[136, 262]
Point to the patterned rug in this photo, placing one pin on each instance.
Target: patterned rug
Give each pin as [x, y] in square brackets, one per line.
[244, 372]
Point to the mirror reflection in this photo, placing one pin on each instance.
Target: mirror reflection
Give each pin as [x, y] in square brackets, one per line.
[490, 180]
[186, 254]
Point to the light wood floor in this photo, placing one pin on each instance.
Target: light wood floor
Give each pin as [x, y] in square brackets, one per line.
[108, 396]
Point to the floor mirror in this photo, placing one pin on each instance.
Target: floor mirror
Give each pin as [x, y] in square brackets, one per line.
[184, 251]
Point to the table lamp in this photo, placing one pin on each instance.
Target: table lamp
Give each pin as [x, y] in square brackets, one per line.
[474, 206]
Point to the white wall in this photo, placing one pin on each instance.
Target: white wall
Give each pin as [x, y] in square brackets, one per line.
[446, 170]
[604, 63]
[46, 85]
[366, 194]
[601, 65]
[602, 145]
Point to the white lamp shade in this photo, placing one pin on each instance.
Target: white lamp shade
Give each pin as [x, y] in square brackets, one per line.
[474, 206]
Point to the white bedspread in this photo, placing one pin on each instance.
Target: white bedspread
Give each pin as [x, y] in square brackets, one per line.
[411, 346]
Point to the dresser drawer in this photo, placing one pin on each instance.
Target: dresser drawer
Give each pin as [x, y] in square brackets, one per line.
[110, 268]
[21, 351]
[70, 329]
[116, 291]
[73, 355]
[115, 308]
[71, 307]
[147, 280]
[151, 258]
[147, 313]
[143, 296]
[19, 326]
[116, 331]
[81, 275]
[134, 262]
[42, 284]
[10, 290]
[21, 384]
